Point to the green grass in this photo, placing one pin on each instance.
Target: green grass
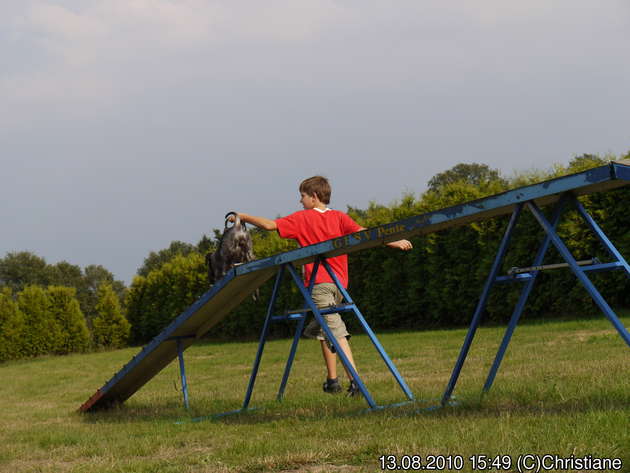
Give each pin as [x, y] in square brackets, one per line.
[563, 388]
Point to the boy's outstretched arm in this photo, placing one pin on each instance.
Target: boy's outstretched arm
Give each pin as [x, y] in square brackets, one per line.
[260, 222]
[404, 245]
[268, 224]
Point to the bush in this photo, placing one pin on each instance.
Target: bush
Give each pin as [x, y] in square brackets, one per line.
[64, 307]
[11, 327]
[42, 332]
[110, 328]
[153, 302]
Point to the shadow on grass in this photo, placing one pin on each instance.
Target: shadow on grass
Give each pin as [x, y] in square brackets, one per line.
[311, 410]
[493, 407]
[125, 414]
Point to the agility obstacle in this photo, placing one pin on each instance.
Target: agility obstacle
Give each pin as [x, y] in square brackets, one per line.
[243, 280]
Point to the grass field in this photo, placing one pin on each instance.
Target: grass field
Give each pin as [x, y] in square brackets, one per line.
[563, 388]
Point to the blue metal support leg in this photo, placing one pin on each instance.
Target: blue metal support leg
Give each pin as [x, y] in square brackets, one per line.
[182, 372]
[370, 333]
[481, 304]
[263, 338]
[309, 305]
[518, 310]
[322, 322]
[602, 236]
[296, 338]
[581, 274]
[287, 369]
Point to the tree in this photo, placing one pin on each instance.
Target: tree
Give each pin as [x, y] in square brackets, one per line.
[153, 302]
[136, 309]
[110, 328]
[19, 269]
[156, 260]
[65, 274]
[93, 277]
[42, 332]
[585, 161]
[206, 245]
[473, 173]
[64, 307]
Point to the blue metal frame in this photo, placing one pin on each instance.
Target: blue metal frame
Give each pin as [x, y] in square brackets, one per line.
[182, 370]
[263, 338]
[530, 278]
[520, 305]
[296, 337]
[309, 305]
[370, 333]
[482, 303]
[210, 308]
[581, 272]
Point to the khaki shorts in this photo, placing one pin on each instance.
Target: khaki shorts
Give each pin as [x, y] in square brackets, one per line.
[326, 295]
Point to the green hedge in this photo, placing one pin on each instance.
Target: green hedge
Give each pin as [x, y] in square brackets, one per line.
[435, 285]
[74, 335]
[110, 328]
[38, 321]
[11, 327]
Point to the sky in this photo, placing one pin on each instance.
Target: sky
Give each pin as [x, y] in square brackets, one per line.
[128, 124]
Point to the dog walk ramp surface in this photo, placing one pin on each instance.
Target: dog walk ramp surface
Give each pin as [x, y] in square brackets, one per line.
[200, 317]
[243, 280]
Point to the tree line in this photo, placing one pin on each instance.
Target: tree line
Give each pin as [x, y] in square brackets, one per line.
[435, 285]
[40, 321]
[61, 308]
[23, 268]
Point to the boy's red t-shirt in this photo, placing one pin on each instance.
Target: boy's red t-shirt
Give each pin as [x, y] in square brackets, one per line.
[313, 226]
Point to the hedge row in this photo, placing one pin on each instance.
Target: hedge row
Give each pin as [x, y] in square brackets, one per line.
[38, 321]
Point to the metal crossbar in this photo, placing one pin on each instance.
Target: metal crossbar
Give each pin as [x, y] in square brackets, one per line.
[546, 267]
[331, 309]
[579, 268]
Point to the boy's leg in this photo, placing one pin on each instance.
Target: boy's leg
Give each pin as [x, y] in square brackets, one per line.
[331, 365]
[327, 295]
[331, 358]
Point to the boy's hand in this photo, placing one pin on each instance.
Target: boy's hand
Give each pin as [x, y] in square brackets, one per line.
[404, 245]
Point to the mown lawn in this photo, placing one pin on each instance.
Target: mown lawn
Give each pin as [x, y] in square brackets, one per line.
[563, 388]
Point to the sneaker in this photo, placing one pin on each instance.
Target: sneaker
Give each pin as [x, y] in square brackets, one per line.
[332, 386]
[353, 389]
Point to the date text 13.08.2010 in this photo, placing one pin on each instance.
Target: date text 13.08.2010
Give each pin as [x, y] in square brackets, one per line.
[522, 463]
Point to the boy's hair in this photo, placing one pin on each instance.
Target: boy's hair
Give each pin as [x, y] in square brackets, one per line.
[317, 185]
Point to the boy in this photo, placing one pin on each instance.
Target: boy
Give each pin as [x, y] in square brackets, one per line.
[314, 224]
